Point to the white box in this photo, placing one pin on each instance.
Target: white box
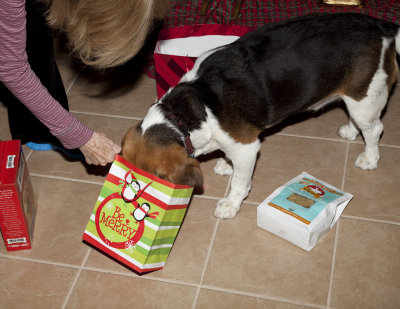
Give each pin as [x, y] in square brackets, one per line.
[302, 210]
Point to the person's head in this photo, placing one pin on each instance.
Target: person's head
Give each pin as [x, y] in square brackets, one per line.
[105, 33]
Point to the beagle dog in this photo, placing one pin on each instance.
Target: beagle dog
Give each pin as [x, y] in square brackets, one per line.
[236, 91]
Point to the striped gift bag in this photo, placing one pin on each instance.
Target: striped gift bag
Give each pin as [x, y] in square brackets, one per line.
[137, 216]
[178, 48]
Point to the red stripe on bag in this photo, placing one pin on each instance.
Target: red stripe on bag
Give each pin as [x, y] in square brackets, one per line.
[161, 204]
[148, 175]
[146, 196]
[169, 70]
[162, 84]
[115, 180]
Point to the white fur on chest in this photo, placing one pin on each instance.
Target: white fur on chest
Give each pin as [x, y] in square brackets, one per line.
[203, 139]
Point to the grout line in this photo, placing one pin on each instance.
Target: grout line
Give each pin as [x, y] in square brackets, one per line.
[73, 82]
[196, 297]
[28, 155]
[346, 159]
[313, 137]
[26, 259]
[106, 115]
[329, 299]
[253, 203]
[171, 281]
[68, 179]
[255, 295]
[390, 146]
[207, 197]
[75, 279]
[371, 220]
[335, 140]
[132, 274]
[228, 186]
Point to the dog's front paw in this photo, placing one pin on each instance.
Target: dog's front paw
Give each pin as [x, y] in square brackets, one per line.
[366, 162]
[226, 209]
[223, 167]
[348, 132]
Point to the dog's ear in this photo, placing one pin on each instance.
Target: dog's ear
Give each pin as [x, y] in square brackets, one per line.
[191, 174]
[167, 162]
[183, 172]
[130, 143]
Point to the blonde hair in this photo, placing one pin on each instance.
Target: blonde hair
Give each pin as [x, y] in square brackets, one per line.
[105, 33]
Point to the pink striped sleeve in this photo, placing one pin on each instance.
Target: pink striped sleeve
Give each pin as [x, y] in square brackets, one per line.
[19, 78]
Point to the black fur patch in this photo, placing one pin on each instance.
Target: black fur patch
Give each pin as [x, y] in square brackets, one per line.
[278, 69]
[162, 135]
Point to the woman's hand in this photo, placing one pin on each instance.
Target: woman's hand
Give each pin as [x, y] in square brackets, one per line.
[100, 150]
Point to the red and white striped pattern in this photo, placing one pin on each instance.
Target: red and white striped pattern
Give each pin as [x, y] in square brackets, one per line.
[178, 48]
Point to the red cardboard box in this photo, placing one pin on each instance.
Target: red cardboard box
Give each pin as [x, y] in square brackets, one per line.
[178, 48]
[17, 202]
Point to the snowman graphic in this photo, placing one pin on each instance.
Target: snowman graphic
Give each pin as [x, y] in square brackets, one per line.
[131, 192]
[131, 188]
[141, 212]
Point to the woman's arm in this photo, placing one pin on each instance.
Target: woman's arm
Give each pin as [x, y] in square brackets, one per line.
[17, 75]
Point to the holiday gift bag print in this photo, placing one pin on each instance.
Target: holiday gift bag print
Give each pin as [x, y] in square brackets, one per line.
[137, 217]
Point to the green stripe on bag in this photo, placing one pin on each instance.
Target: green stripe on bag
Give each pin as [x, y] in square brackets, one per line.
[164, 241]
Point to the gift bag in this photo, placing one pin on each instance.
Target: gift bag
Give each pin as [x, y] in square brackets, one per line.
[178, 48]
[137, 217]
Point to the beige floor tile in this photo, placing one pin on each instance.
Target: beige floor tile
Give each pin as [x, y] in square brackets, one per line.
[284, 157]
[129, 102]
[69, 70]
[114, 128]
[91, 83]
[102, 290]
[214, 185]
[367, 265]
[64, 208]
[216, 299]
[188, 256]
[390, 120]
[53, 163]
[325, 124]
[110, 82]
[322, 124]
[33, 285]
[132, 102]
[4, 129]
[375, 192]
[247, 258]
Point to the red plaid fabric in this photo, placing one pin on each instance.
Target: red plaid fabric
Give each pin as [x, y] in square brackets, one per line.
[255, 13]
[260, 12]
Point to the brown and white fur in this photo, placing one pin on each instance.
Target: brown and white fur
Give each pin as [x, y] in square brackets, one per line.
[236, 91]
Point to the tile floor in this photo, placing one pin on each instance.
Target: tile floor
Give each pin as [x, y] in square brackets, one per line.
[214, 263]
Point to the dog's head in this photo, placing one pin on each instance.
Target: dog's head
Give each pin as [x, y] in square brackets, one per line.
[153, 152]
